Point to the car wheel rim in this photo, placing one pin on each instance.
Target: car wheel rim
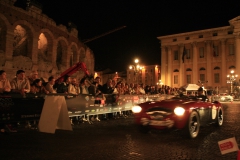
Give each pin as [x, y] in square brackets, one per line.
[193, 126]
[220, 118]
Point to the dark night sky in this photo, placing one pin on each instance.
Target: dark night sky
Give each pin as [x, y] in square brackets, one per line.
[145, 20]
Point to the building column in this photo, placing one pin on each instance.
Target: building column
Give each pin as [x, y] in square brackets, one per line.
[195, 63]
[223, 81]
[169, 70]
[9, 49]
[209, 66]
[34, 51]
[144, 76]
[182, 76]
[237, 52]
[163, 65]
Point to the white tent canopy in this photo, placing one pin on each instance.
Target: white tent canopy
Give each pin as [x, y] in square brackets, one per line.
[190, 87]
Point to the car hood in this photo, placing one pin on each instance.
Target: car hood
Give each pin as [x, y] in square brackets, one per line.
[170, 103]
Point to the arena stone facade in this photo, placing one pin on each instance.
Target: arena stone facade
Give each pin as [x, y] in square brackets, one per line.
[30, 40]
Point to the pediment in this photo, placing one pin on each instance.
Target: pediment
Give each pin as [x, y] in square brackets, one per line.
[235, 21]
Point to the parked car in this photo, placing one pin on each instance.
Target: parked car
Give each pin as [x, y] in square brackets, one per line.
[184, 113]
[223, 97]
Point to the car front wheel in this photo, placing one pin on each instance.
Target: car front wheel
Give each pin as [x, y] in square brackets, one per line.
[219, 119]
[193, 125]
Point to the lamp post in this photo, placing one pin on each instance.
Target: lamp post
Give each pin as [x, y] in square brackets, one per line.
[136, 67]
[160, 83]
[231, 77]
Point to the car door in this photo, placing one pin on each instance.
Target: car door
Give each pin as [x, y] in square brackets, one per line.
[204, 111]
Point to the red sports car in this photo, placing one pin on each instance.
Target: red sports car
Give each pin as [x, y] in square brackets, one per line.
[187, 113]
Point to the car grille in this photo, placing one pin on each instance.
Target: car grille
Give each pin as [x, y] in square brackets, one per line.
[159, 113]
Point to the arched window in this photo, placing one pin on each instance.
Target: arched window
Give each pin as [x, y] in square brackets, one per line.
[217, 68]
[188, 69]
[176, 70]
[232, 67]
[202, 69]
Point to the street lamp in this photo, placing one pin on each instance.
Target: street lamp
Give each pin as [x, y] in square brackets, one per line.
[136, 67]
[160, 82]
[231, 77]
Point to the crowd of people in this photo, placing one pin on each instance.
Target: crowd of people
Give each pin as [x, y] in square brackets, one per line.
[32, 84]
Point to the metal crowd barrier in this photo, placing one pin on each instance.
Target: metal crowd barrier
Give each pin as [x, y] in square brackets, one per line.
[15, 107]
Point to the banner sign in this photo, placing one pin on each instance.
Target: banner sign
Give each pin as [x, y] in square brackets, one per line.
[15, 107]
[228, 145]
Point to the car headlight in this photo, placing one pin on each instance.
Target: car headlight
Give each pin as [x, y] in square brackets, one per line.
[136, 109]
[179, 111]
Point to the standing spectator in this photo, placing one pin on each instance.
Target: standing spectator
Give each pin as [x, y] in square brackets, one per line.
[4, 82]
[98, 86]
[20, 84]
[63, 87]
[33, 76]
[108, 88]
[126, 89]
[4, 87]
[37, 87]
[84, 86]
[91, 86]
[50, 84]
[73, 87]
[148, 89]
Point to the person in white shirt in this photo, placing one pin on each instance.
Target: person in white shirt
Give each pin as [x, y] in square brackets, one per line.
[84, 86]
[50, 84]
[20, 84]
[73, 87]
[4, 82]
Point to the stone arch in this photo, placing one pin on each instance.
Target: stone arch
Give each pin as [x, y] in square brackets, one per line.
[188, 69]
[202, 69]
[232, 67]
[176, 70]
[23, 39]
[216, 68]
[45, 51]
[5, 43]
[45, 45]
[4, 27]
[74, 54]
[62, 53]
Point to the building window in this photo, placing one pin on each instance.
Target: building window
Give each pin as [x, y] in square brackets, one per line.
[216, 78]
[216, 68]
[201, 52]
[187, 38]
[202, 69]
[175, 55]
[200, 36]
[175, 79]
[174, 40]
[188, 54]
[188, 78]
[215, 51]
[188, 69]
[214, 34]
[231, 49]
[176, 70]
[202, 77]
[230, 32]
[232, 67]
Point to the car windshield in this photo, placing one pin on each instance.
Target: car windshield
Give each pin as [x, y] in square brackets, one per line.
[186, 97]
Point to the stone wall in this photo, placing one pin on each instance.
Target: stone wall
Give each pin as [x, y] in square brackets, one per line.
[30, 40]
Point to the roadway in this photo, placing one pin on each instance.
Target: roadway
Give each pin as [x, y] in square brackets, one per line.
[119, 139]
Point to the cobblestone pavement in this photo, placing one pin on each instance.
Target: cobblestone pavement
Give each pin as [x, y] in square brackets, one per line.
[120, 139]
